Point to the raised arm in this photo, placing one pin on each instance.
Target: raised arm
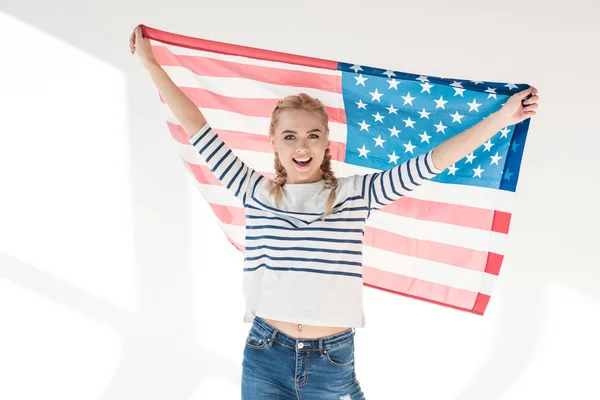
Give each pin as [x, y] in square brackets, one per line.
[381, 188]
[233, 173]
[518, 107]
[184, 109]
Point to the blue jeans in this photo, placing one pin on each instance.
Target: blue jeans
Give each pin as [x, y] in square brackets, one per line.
[278, 366]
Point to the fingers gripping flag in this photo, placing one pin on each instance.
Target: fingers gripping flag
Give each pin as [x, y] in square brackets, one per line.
[444, 243]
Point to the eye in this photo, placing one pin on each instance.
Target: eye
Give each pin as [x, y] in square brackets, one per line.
[292, 136]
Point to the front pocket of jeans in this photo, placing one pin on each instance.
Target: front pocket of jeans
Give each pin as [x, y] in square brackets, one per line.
[255, 340]
[341, 356]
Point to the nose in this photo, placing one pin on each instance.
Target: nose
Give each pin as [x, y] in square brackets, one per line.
[301, 147]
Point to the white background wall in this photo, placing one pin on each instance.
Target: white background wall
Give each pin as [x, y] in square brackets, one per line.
[116, 283]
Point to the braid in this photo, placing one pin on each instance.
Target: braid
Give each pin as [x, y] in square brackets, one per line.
[279, 180]
[330, 182]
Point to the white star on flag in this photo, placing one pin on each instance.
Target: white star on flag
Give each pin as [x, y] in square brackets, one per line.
[393, 84]
[409, 122]
[474, 105]
[379, 141]
[392, 110]
[495, 159]
[363, 151]
[376, 95]
[425, 137]
[488, 145]
[470, 158]
[426, 87]
[364, 126]
[408, 99]
[424, 114]
[441, 127]
[360, 80]
[409, 147]
[456, 117]
[394, 131]
[378, 117]
[440, 103]
[477, 172]
[393, 157]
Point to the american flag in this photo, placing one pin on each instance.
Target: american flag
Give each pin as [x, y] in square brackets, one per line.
[445, 242]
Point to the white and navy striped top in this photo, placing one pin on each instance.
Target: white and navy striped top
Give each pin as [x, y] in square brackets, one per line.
[298, 268]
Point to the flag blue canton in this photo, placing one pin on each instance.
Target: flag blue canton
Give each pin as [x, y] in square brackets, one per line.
[393, 116]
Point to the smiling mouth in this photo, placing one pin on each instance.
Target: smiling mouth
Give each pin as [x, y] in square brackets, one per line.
[302, 164]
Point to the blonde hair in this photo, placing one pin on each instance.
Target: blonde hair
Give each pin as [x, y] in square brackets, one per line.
[303, 102]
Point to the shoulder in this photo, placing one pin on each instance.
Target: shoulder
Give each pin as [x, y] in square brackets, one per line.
[263, 184]
[350, 185]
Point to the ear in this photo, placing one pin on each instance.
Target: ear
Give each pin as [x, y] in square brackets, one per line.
[273, 145]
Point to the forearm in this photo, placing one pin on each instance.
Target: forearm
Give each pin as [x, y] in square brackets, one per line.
[457, 147]
[184, 110]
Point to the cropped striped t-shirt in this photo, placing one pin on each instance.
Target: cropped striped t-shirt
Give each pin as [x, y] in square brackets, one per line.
[297, 267]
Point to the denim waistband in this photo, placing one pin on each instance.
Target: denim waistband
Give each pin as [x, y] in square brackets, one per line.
[324, 343]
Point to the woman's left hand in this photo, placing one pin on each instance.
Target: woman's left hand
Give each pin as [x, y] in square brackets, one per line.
[517, 108]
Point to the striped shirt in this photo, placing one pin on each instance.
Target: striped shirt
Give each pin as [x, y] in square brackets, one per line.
[297, 267]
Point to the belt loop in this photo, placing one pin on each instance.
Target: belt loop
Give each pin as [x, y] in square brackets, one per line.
[272, 338]
[321, 346]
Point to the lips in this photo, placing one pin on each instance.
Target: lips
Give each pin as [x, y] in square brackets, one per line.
[302, 162]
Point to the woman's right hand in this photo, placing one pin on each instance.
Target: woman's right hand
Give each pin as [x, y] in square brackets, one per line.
[138, 43]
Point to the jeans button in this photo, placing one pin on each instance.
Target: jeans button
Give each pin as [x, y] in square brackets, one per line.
[300, 345]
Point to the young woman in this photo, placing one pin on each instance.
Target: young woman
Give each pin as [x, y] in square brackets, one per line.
[304, 229]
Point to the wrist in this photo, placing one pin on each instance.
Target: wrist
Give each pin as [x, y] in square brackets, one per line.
[498, 120]
[149, 62]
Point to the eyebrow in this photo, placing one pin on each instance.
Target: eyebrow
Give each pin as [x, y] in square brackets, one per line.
[311, 131]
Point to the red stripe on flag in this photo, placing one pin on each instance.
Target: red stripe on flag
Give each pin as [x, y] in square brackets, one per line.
[205, 66]
[472, 217]
[229, 215]
[232, 49]
[481, 304]
[501, 221]
[494, 262]
[425, 249]
[203, 98]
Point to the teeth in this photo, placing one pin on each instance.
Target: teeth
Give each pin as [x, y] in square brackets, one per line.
[302, 159]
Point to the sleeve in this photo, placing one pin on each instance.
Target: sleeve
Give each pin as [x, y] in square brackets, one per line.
[229, 169]
[384, 187]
